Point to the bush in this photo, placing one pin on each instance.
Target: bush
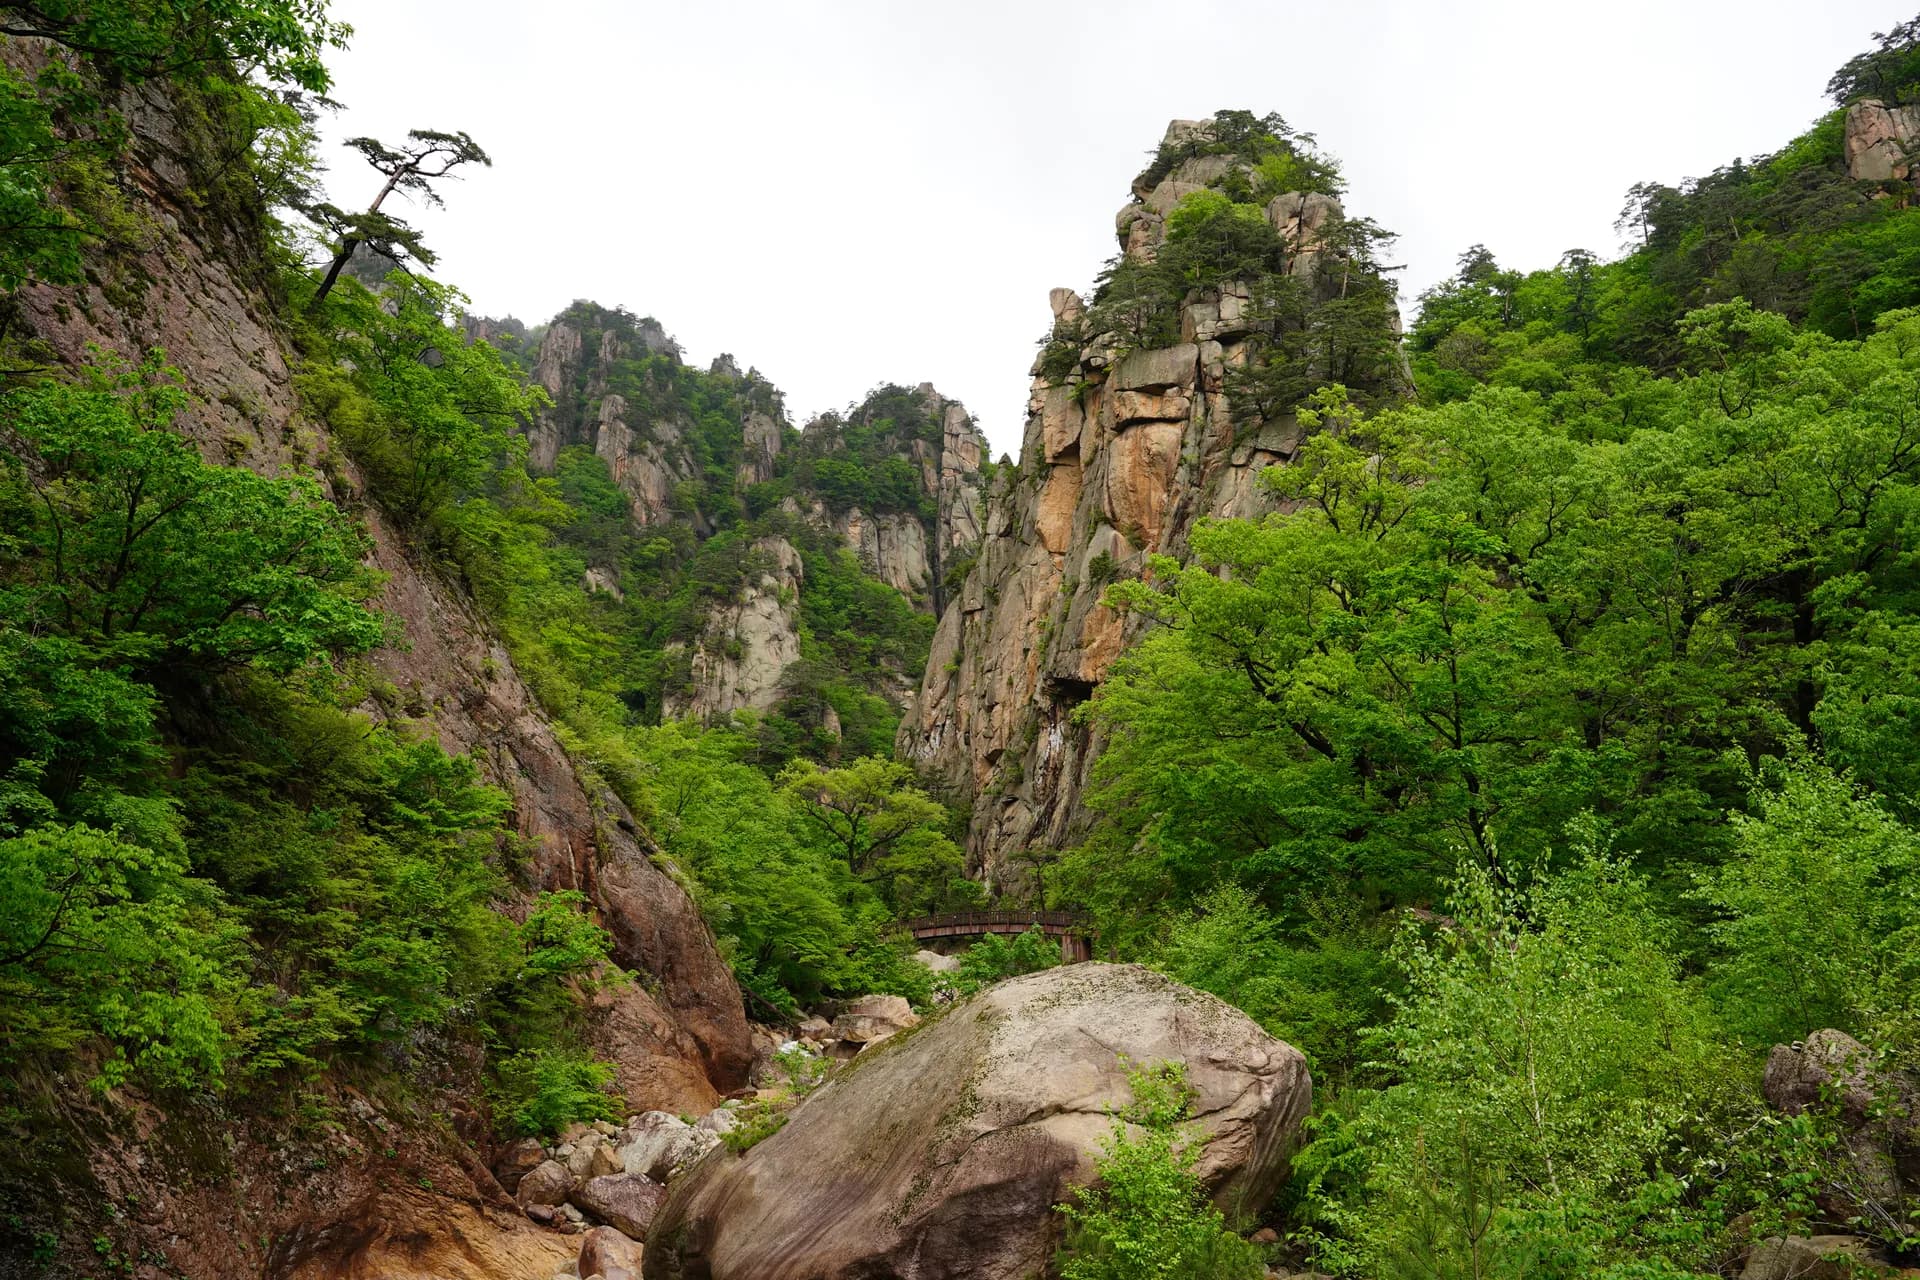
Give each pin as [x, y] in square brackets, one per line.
[538, 1093]
[1148, 1218]
[756, 1124]
[1000, 955]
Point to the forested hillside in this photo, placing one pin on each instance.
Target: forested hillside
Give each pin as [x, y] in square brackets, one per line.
[1548, 759]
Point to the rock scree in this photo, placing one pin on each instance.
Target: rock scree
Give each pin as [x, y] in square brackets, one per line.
[942, 1152]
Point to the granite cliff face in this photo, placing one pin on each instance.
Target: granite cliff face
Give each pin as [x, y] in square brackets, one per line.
[1880, 141]
[896, 480]
[1125, 448]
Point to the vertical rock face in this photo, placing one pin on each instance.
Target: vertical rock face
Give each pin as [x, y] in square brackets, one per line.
[897, 481]
[749, 642]
[1880, 141]
[1122, 454]
[613, 380]
[909, 547]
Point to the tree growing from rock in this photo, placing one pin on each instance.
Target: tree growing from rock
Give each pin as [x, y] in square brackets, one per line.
[414, 167]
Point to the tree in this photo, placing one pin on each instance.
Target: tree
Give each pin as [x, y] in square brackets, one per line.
[132, 40]
[428, 411]
[414, 167]
[1788, 967]
[1548, 1060]
[1889, 72]
[101, 936]
[887, 830]
[135, 548]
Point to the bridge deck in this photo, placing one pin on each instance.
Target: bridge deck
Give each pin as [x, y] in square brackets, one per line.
[1075, 938]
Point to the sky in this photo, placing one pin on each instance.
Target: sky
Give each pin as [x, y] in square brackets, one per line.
[848, 194]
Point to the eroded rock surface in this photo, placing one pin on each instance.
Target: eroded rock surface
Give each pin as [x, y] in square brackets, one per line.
[1121, 457]
[941, 1153]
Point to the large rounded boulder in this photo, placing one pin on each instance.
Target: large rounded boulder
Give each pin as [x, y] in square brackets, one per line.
[941, 1152]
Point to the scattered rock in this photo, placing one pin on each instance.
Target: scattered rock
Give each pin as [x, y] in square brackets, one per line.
[547, 1183]
[516, 1162]
[623, 1200]
[658, 1143]
[1265, 1235]
[1810, 1258]
[944, 1154]
[593, 1156]
[718, 1122]
[604, 1248]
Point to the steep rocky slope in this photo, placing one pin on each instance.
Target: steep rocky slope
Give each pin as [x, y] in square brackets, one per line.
[1126, 446]
[182, 279]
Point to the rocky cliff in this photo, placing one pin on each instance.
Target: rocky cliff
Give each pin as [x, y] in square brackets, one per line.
[1127, 444]
[708, 457]
[1880, 141]
[184, 277]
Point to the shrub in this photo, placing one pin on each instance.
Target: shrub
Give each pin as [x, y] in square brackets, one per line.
[539, 1092]
[998, 956]
[757, 1123]
[1148, 1217]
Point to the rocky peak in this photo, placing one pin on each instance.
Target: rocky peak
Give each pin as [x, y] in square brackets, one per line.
[898, 478]
[1128, 442]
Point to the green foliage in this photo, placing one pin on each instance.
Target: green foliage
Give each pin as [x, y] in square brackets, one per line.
[1319, 307]
[429, 413]
[888, 830]
[999, 955]
[1317, 985]
[757, 1122]
[125, 543]
[1889, 72]
[541, 1092]
[805, 1071]
[212, 865]
[101, 936]
[138, 40]
[1820, 916]
[1284, 158]
[62, 136]
[1550, 1064]
[1147, 1217]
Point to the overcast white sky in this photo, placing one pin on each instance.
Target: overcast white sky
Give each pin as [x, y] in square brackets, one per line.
[851, 193]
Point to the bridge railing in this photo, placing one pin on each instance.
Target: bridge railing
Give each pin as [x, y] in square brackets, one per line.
[996, 921]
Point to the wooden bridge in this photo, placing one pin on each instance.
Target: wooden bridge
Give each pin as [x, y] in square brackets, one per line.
[1076, 940]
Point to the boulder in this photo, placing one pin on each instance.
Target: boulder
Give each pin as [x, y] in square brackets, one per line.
[1798, 1073]
[815, 1029]
[937, 962]
[942, 1154]
[547, 1183]
[873, 1018]
[1810, 1258]
[516, 1162]
[1878, 1110]
[717, 1122]
[624, 1200]
[657, 1144]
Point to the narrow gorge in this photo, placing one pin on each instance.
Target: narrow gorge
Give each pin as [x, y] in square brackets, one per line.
[485, 799]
